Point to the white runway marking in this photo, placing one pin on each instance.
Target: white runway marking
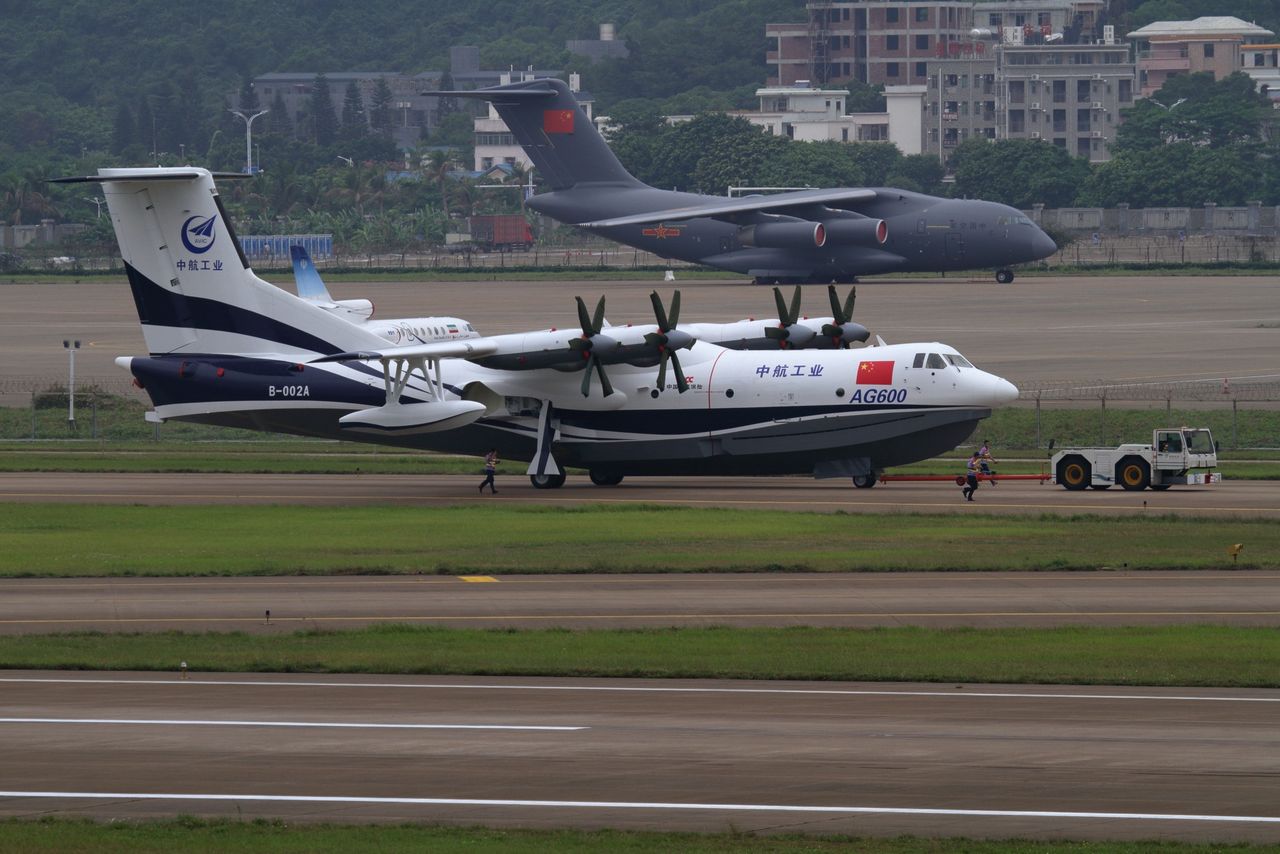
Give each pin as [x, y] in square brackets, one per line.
[641, 805]
[301, 724]
[649, 689]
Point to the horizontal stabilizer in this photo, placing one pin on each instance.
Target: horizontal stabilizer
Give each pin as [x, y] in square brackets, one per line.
[779, 203]
[149, 174]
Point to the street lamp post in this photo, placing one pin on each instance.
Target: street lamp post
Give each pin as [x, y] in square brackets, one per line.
[71, 346]
[248, 137]
[98, 202]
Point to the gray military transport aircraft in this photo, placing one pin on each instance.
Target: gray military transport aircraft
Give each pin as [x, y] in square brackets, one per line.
[795, 237]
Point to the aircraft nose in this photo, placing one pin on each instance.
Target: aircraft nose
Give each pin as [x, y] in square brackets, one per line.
[1003, 391]
[1042, 245]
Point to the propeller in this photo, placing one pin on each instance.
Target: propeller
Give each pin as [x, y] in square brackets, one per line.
[842, 331]
[592, 345]
[787, 333]
[668, 339]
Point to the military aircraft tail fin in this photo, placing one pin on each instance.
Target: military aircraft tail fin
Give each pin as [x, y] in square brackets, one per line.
[191, 281]
[556, 133]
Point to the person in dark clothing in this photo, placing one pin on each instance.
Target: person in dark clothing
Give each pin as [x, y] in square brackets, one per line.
[971, 476]
[490, 469]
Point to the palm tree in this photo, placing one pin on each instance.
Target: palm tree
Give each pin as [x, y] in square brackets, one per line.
[439, 165]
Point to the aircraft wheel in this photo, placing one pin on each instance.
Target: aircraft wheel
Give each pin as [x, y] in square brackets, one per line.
[1133, 473]
[1004, 277]
[1074, 473]
[1159, 487]
[602, 479]
[865, 481]
[547, 481]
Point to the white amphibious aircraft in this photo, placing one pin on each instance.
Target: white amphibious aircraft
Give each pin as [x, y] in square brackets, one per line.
[777, 396]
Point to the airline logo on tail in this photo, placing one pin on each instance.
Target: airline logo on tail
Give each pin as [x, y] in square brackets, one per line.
[198, 234]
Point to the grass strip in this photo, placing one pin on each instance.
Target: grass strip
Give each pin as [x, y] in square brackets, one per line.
[253, 837]
[97, 540]
[1184, 655]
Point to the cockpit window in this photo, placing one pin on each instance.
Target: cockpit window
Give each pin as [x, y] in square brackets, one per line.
[1014, 219]
[957, 360]
[919, 362]
[935, 361]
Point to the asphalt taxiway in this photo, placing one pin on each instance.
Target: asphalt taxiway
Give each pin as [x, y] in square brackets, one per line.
[857, 600]
[863, 759]
[1254, 499]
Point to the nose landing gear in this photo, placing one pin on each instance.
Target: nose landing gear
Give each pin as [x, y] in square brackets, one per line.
[1004, 276]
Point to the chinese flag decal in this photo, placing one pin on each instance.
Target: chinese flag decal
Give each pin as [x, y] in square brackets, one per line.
[875, 373]
[557, 121]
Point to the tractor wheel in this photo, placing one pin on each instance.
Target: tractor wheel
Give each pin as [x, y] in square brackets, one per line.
[1133, 473]
[1074, 472]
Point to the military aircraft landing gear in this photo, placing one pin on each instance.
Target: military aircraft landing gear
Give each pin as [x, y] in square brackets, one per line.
[1004, 276]
[865, 481]
[547, 481]
[602, 479]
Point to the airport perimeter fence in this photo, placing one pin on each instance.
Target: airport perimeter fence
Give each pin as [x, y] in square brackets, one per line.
[1241, 414]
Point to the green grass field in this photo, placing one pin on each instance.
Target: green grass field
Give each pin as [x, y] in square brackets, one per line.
[1220, 656]
[76, 836]
[97, 540]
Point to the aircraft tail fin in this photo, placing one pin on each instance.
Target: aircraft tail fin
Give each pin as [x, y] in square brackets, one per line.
[306, 277]
[192, 284]
[556, 133]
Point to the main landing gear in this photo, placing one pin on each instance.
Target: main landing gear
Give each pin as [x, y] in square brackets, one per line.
[555, 481]
[865, 481]
[1004, 276]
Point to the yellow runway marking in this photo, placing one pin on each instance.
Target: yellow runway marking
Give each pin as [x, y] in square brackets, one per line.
[478, 579]
[716, 616]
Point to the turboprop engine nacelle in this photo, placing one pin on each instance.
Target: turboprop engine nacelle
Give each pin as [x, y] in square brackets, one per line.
[860, 232]
[784, 235]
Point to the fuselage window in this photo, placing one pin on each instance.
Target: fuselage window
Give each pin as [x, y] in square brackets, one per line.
[919, 362]
[935, 362]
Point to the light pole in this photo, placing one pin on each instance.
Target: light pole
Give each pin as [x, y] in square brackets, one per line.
[1170, 107]
[71, 346]
[98, 202]
[248, 137]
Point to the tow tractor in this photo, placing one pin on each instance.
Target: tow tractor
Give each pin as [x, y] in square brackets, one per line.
[1182, 455]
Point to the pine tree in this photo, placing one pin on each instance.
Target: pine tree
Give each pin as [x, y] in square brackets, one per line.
[249, 103]
[278, 118]
[324, 121]
[353, 119]
[380, 111]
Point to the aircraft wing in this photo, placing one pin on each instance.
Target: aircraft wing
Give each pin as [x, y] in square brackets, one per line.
[778, 204]
[469, 348]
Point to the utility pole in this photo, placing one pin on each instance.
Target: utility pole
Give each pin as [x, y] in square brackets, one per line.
[71, 346]
[248, 137]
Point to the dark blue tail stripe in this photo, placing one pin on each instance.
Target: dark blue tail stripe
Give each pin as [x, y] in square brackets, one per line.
[158, 306]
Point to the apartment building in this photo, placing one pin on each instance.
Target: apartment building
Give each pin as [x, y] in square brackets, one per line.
[1214, 44]
[890, 42]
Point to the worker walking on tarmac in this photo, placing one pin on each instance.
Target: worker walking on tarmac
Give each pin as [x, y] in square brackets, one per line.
[987, 461]
[490, 469]
[971, 476]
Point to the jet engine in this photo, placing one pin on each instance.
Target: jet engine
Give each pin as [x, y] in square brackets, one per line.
[859, 232]
[784, 235]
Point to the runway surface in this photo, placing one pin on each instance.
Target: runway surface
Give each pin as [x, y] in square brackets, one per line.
[858, 600]
[880, 759]
[1256, 499]
[1041, 329]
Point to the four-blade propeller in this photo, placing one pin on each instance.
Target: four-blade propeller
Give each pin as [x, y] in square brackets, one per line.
[787, 333]
[842, 330]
